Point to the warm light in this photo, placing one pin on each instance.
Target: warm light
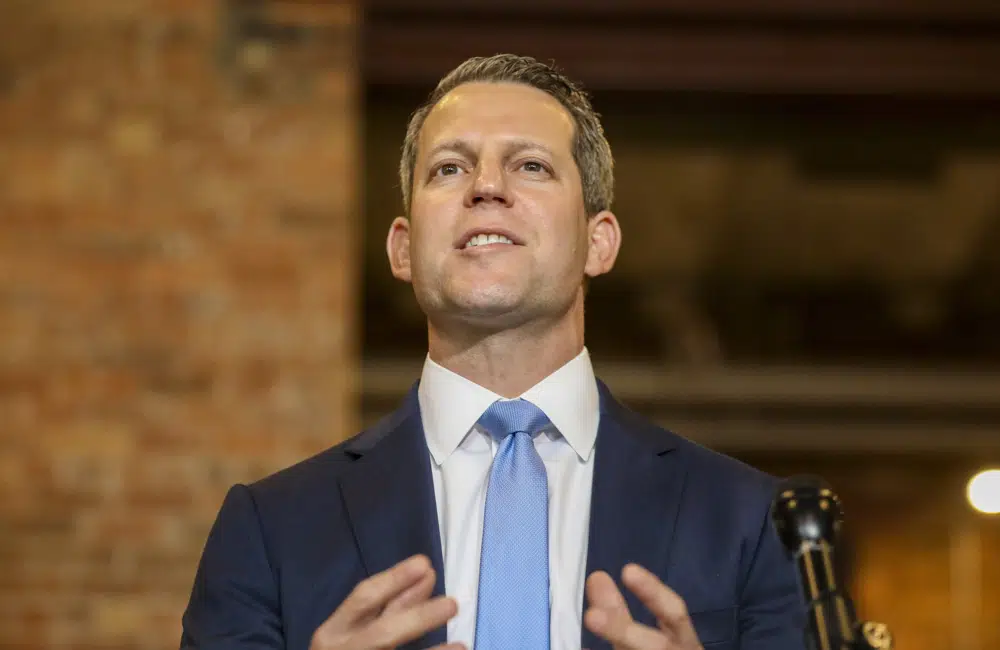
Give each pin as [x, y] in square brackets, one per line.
[984, 492]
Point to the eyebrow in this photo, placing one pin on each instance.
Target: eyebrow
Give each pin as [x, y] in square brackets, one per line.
[511, 147]
[519, 145]
[458, 146]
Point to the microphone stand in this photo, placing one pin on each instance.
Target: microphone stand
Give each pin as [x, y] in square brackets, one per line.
[807, 516]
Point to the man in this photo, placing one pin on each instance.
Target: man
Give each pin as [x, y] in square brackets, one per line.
[510, 502]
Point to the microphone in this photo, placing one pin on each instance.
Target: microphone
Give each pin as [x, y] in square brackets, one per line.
[807, 516]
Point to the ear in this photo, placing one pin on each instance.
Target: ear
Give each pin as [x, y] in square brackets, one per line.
[397, 247]
[604, 242]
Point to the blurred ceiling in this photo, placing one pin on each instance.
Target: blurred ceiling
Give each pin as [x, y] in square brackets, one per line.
[936, 47]
[803, 185]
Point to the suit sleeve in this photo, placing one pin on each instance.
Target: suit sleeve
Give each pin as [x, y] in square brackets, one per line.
[234, 602]
[772, 613]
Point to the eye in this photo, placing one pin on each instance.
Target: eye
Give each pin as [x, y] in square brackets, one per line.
[447, 169]
[533, 167]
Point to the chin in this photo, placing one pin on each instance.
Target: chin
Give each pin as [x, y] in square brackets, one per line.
[485, 297]
[488, 309]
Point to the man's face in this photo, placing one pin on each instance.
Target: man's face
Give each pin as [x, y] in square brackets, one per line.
[498, 234]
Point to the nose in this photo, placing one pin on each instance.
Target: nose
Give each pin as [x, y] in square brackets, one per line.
[488, 186]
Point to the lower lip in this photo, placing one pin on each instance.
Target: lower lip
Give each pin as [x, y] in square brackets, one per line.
[487, 247]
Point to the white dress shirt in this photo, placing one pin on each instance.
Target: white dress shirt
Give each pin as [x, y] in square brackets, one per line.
[462, 454]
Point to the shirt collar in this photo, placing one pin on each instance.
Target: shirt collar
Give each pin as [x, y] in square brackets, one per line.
[450, 405]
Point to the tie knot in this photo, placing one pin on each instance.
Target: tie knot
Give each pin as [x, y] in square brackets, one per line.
[505, 417]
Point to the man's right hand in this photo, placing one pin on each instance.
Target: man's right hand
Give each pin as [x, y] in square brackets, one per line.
[388, 609]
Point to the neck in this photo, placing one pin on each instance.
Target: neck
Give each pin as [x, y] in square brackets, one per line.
[508, 362]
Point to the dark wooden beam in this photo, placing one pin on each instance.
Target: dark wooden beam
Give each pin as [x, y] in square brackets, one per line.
[954, 11]
[800, 410]
[873, 47]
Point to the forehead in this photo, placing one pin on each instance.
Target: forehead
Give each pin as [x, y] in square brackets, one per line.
[480, 111]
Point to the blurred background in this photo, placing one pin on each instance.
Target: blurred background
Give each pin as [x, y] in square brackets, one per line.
[194, 196]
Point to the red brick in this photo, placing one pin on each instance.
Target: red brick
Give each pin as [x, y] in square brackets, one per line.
[176, 305]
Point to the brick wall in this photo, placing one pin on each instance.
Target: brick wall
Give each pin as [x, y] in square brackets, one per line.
[927, 566]
[918, 558]
[177, 291]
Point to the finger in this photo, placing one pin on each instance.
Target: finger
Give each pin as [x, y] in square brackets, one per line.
[624, 633]
[669, 608]
[413, 595]
[450, 646]
[391, 630]
[603, 593]
[372, 594]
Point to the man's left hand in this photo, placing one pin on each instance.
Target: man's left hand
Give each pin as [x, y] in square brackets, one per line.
[608, 616]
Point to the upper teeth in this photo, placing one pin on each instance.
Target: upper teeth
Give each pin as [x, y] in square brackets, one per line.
[480, 240]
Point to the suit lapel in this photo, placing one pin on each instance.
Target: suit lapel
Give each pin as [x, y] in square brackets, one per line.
[389, 496]
[634, 504]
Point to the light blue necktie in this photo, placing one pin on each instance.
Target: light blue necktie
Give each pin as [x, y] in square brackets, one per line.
[513, 610]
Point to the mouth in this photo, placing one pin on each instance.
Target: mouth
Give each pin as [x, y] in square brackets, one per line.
[487, 237]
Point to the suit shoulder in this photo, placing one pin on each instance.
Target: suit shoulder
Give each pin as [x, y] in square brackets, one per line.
[716, 465]
[729, 488]
[322, 468]
[725, 472]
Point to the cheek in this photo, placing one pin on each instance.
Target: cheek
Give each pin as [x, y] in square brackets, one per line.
[428, 247]
[568, 234]
[432, 224]
[553, 216]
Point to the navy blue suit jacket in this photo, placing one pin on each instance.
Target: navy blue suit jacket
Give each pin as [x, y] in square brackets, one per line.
[284, 552]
